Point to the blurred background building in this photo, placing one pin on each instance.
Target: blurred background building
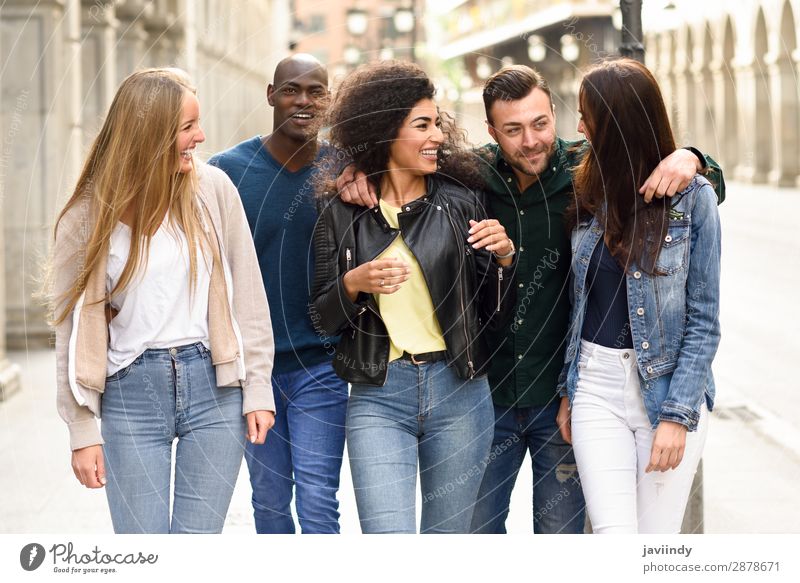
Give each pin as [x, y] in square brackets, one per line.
[61, 63]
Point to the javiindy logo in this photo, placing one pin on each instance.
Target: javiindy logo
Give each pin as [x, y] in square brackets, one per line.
[31, 556]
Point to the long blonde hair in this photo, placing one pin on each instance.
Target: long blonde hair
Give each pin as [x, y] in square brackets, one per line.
[133, 164]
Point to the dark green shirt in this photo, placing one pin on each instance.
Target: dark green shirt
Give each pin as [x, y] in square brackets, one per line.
[528, 353]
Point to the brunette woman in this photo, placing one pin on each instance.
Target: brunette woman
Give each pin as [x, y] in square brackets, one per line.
[645, 316]
[410, 285]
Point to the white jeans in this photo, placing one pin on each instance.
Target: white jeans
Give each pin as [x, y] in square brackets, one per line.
[612, 437]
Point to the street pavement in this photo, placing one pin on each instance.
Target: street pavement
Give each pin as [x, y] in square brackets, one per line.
[752, 456]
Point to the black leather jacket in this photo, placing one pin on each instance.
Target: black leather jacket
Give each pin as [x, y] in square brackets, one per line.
[469, 289]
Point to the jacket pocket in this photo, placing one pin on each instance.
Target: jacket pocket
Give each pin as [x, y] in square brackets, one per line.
[674, 254]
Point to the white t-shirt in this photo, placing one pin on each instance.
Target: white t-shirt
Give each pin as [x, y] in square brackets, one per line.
[154, 309]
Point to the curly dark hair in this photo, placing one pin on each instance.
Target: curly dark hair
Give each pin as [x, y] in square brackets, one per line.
[369, 108]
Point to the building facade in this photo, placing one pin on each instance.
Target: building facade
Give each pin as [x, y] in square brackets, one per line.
[474, 38]
[729, 73]
[62, 61]
[345, 33]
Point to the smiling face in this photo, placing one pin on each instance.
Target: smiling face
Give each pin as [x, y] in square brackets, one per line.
[189, 132]
[525, 129]
[418, 140]
[299, 97]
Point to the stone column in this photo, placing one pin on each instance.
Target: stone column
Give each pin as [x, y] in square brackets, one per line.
[706, 135]
[755, 129]
[785, 125]
[38, 50]
[725, 114]
[9, 373]
[131, 39]
[99, 64]
[683, 124]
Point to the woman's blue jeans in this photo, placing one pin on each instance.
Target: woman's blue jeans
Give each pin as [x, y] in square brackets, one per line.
[423, 414]
[166, 394]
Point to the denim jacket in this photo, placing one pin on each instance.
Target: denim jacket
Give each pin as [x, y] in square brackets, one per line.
[674, 318]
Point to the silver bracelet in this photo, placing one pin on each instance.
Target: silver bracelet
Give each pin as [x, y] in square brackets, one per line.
[509, 254]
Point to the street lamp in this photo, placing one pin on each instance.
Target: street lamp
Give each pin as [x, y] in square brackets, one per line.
[404, 19]
[570, 49]
[482, 68]
[352, 55]
[357, 21]
[537, 50]
[631, 45]
[405, 22]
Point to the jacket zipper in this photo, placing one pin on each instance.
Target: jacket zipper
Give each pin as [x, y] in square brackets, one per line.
[349, 256]
[499, 285]
[470, 364]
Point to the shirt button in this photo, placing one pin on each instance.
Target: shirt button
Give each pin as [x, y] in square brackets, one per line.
[640, 311]
[637, 274]
[522, 212]
[173, 351]
[408, 208]
[519, 322]
[519, 356]
[521, 285]
[645, 345]
[668, 238]
[650, 369]
[521, 248]
[554, 168]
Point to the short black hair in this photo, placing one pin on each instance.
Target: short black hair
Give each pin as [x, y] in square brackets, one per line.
[512, 83]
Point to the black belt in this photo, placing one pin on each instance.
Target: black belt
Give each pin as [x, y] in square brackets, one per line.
[425, 357]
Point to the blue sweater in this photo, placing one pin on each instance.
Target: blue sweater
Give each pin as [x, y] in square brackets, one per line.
[280, 210]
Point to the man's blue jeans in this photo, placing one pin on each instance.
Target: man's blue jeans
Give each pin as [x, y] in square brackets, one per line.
[303, 451]
[558, 505]
[424, 415]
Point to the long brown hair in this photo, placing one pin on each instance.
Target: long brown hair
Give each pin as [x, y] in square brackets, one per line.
[133, 164]
[629, 133]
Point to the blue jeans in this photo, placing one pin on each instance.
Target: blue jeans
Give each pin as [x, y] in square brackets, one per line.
[426, 414]
[558, 505]
[303, 451]
[166, 394]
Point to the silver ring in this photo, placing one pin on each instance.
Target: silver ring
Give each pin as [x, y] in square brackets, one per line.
[380, 283]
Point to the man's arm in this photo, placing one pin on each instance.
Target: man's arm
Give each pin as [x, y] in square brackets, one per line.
[676, 171]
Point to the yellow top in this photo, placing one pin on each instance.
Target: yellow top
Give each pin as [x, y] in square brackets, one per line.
[408, 313]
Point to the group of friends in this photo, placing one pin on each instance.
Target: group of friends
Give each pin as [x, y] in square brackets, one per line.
[361, 275]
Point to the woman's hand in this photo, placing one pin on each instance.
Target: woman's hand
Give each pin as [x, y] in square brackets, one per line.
[489, 233]
[258, 423]
[564, 421]
[669, 444]
[354, 188]
[380, 276]
[89, 467]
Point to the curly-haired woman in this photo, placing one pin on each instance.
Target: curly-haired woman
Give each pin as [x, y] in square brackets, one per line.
[161, 326]
[410, 285]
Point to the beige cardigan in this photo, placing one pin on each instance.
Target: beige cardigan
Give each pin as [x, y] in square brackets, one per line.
[240, 330]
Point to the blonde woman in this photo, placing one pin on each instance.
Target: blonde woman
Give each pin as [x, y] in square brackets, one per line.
[162, 323]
